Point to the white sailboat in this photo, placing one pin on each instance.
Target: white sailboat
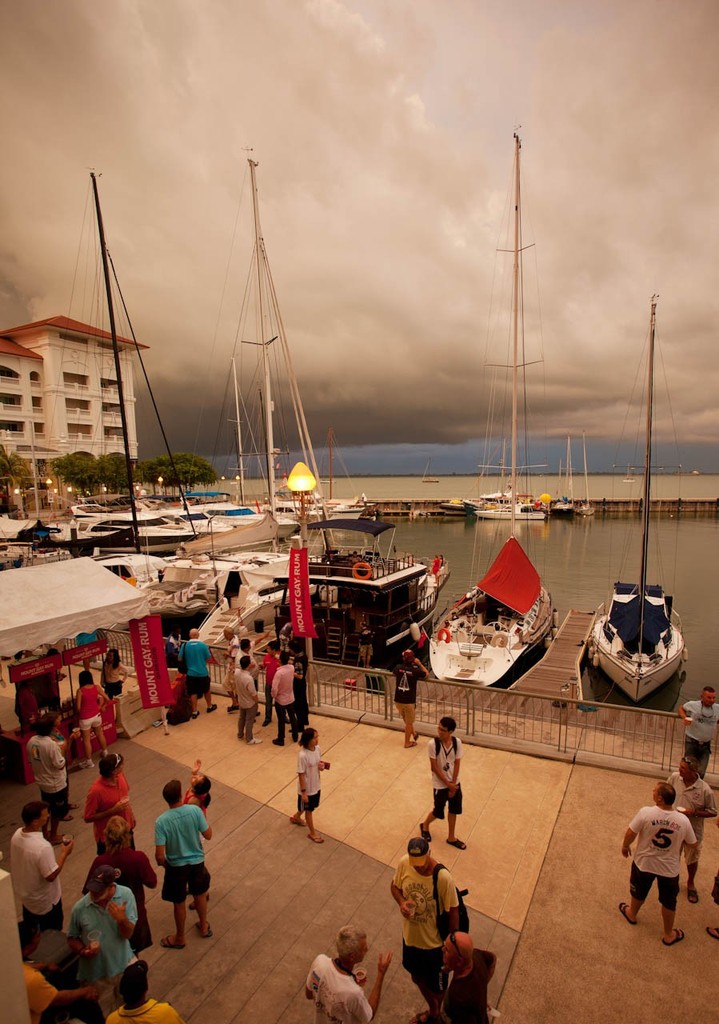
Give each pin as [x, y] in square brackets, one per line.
[490, 636]
[427, 477]
[584, 507]
[638, 643]
[564, 506]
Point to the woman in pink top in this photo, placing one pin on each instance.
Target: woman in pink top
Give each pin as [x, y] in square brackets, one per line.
[89, 702]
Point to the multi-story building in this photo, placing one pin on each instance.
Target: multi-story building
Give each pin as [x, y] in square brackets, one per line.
[59, 393]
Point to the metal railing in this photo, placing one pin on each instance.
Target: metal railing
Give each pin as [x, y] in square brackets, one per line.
[624, 738]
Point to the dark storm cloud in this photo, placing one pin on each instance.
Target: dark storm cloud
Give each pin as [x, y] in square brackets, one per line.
[383, 134]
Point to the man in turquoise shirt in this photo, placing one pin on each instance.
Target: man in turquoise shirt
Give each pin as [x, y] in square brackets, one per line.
[101, 925]
[178, 848]
[197, 656]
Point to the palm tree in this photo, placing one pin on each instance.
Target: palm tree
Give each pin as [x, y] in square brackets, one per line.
[14, 471]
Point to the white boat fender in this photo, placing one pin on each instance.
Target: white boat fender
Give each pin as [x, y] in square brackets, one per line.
[685, 655]
[595, 660]
[414, 631]
[555, 618]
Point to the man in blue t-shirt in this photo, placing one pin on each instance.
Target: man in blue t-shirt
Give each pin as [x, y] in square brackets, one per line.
[197, 657]
[700, 718]
[178, 848]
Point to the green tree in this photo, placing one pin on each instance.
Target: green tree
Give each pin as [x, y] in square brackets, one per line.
[148, 471]
[112, 473]
[13, 468]
[189, 471]
[78, 469]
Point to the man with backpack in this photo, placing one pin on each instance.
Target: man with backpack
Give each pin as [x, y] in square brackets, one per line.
[445, 756]
[429, 903]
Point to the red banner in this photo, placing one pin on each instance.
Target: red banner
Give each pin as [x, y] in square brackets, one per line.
[148, 650]
[74, 655]
[299, 594]
[36, 667]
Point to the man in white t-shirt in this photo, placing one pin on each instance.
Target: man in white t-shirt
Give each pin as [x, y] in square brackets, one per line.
[35, 869]
[337, 989]
[661, 832]
[445, 755]
[694, 798]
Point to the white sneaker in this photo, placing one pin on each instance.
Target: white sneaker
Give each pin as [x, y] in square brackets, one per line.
[88, 763]
[252, 742]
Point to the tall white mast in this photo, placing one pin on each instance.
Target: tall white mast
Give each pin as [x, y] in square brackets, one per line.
[241, 461]
[515, 334]
[259, 259]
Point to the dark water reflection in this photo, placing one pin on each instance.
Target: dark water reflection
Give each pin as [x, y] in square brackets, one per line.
[579, 561]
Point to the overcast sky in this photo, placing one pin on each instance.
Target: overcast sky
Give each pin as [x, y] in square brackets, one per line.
[383, 133]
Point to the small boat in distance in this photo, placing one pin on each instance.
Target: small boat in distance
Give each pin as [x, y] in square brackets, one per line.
[584, 507]
[638, 643]
[428, 478]
[564, 506]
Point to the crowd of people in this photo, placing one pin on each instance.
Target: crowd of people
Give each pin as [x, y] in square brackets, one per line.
[107, 926]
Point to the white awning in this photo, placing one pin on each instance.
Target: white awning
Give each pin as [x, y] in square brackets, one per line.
[46, 603]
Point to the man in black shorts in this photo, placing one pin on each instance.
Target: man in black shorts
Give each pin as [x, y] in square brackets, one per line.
[413, 890]
[661, 831]
[445, 755]
[178, 848]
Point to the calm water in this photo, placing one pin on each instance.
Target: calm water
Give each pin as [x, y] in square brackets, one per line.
[579, 562]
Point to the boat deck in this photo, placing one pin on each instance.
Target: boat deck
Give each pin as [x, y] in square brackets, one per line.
[560, 670]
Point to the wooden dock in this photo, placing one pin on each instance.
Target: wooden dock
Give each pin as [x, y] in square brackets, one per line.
[560, 670]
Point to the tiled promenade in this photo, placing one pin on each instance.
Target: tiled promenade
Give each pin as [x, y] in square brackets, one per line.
[542, 865]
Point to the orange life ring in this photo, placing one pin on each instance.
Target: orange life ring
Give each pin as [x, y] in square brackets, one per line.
[444, 635]
[362, 571]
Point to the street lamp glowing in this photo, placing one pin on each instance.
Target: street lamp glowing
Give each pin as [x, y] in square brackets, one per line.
[49, 481]
[160, 480]
[301, 480]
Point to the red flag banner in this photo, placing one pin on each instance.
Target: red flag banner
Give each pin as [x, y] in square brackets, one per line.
[299, 594]
[74, 655]
[36, 667]
[148, 649]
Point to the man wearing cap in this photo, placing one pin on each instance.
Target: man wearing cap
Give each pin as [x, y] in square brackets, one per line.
[101, 925]
[407, 674]
[107, 796]
[695, 799]
[136, 1006]
[35, 869]
[413, 891]
[466, 998]
[700, 718]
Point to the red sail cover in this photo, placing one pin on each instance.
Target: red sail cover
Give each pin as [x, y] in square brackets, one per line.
[148, 652]
[512, 579]
[299, 594]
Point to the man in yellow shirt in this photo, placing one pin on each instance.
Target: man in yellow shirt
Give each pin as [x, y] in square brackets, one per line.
[80, 1003]
[137, 1007]
[413, 890]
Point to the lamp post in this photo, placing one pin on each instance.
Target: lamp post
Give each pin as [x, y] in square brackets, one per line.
[302, 483]
[160, 481]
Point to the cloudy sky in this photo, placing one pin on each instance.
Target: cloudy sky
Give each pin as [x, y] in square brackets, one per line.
[383, 133]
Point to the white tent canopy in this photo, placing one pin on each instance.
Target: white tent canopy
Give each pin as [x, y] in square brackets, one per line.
[46, 603]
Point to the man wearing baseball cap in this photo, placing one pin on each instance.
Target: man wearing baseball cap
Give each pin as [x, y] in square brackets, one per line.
[100, 927]
[407, 674]
[694, 798]
[413, 891]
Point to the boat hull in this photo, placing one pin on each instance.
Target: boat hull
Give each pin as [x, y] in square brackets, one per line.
[637, 676]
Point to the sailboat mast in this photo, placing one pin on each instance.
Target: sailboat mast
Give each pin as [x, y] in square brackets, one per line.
[647, 466]
[240, 459]
[586, 479]
[118, 370]
[515, 335]
[330, 445]
[265, 361]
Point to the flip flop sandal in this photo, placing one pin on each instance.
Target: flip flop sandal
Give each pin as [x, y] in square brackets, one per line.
[204, 935]
[315, 839]
[623, 908]
[293, 821]
[692, 894]
[425, 833]
[713, 933]
[167, 943]
[678, 936]
[457, 843]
